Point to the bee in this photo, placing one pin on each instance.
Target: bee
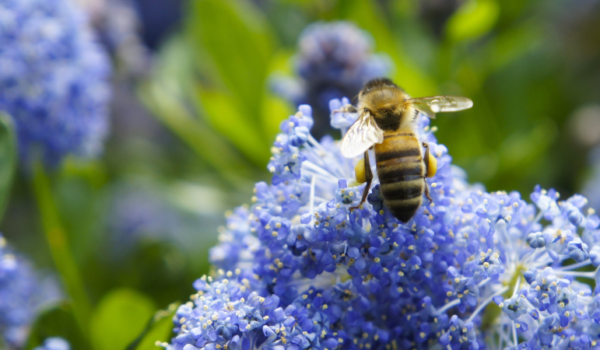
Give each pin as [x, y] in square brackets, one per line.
[387, 121]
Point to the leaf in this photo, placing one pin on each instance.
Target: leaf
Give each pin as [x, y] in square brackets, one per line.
[368, 16]
[57, 322]
[8, 159]
[512, 43]
[237, 38]
[204, 142]
[121, 315]
[232, 121]
[58, 242]
[159, 329]
[472, 20]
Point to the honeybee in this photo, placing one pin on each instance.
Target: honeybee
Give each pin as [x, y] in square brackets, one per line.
[387, 121]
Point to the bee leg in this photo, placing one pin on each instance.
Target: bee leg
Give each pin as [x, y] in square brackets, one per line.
[428, 159]
[347, 109]
[427, 192]
[368, 178]
[430, 162]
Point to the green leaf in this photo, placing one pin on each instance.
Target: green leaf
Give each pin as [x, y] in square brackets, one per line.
[58, 242]
[207, 144]
[367, 15]
[8, 159]
[232, 121]
[120, 316]
[240, 44]
[159, 329]
[520, 150]
[473, 19]
[57, 322]
[513, 43]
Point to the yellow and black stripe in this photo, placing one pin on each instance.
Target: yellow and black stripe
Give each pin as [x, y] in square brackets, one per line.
[401, 172]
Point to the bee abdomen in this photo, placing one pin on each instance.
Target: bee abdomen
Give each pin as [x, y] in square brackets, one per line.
[404, 209]
[402, 189]
[405, 171]
[401, 172]
[393, 154]
[403, 198]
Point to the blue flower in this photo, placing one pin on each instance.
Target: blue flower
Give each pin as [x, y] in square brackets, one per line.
[53, 78]
[54, 343]
[334, 60]
[22, 294]
[471, 269]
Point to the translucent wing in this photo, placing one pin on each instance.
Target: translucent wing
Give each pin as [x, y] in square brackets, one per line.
[363, 134]
[435, 104]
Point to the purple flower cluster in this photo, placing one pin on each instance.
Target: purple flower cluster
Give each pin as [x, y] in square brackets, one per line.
[470, 270]
[22, 294]
[334, 60]
[54, 343]
[53, 79]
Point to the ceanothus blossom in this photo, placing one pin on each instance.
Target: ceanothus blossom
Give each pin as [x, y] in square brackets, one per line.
[54, 343]
[23, 292]
[298, 269]
[334, 59]
[53, 79]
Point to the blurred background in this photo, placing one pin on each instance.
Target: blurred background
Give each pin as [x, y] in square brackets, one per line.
[199, 88]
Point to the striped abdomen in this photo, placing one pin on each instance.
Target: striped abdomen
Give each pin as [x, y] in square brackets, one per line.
[401, 172]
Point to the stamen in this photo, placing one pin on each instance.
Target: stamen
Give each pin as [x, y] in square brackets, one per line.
[484, 303]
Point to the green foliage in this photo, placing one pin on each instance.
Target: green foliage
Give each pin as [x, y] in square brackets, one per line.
[238, 40]
[474, 19]
[230, 119]
[119, 316]
[58, 244]
[201, 139]
[369, 17]
[159, 329]
[59, 321]
[8, 154]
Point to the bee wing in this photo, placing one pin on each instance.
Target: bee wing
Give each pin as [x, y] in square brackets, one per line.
[363, 134]
[435, 104]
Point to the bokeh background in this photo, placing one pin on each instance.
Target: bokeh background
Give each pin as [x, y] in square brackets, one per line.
[199, 88]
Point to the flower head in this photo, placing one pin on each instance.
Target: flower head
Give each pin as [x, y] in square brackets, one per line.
[334, 60]
[22, 293]
[470, 269]
[53, 78]
[54, 343]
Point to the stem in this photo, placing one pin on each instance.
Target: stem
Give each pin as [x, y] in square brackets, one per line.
[449, 305]
[493, 311]
[574, 266]
[590, 275]
[59, 247]
[485, 303]
[312, 195]
[482, 283]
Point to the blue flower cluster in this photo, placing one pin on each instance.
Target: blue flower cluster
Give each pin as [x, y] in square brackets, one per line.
[473, 269]
[118, 28]
[54, 343]
[53, 79]
[334, 60]
[22, 293]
